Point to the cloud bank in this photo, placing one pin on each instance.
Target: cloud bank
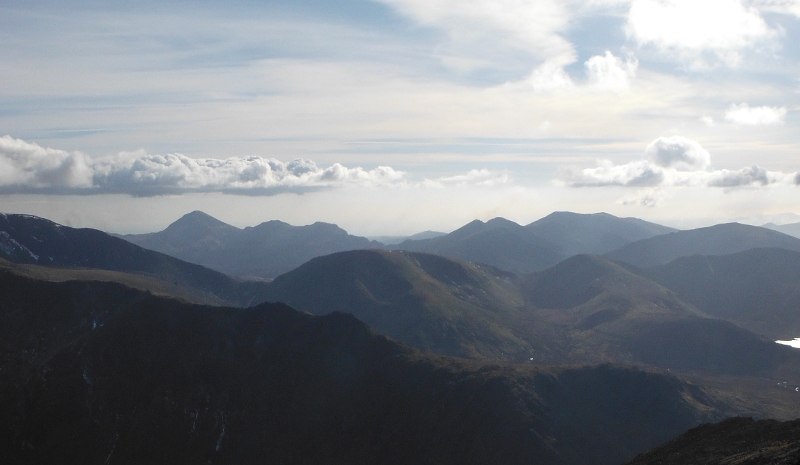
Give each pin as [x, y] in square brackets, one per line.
[28, 167]
[672, 162]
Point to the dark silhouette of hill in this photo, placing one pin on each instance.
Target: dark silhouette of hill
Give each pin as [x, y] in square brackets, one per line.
[524, 249]
[597, 233]
[100, 373]
[722, 239]
[26, 239]
[736, 440]
[758, 289]
[265, 251]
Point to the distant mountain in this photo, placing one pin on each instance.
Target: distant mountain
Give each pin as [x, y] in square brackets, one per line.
[541, 244]
[98, 373]
[263, 251]
[499, 242]
[26, 239]
[721, 239]
[792, 229]
[596, 233]
[736, 440]
[758, 289]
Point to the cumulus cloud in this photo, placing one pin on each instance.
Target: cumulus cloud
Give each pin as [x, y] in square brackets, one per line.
[604, 73]
[678, 152]
[691, 28]
[28, 167]
[671, 162]
[609, 73]
[640, 173]
[756, 116]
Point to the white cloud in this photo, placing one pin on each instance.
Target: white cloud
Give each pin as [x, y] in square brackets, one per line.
[609, 73]
[605, 73]
[550, 76]
[671, 162]
[755, 116]
[27, 164]
[28, 167]
[708, 121]
[678, 152]
[692, 27]
[639, 173]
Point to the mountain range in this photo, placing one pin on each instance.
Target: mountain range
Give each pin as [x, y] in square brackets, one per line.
[721, 239]
[98, 354]
[263, 251]
[539, 245]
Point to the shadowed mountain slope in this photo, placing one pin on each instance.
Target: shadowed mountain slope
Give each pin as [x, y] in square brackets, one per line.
[758, 289]
[427, 301]
[733, 441]
[610, 314]
[264, 251]
[26, 239]
[98, 373]
[523, 249]
[721, 239]
[587, 309]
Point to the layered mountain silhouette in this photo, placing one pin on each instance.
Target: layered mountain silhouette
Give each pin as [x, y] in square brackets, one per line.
[30, 240]
[721, 239]
[736, 440]
[792, 229]
[541, 244]
[99, 373]
[758, 289]
[587, 309]
[263, 251]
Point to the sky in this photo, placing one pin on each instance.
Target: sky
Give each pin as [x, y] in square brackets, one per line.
[391, 117]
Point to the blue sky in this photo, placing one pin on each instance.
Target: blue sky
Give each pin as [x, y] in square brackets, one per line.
[404, 115]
